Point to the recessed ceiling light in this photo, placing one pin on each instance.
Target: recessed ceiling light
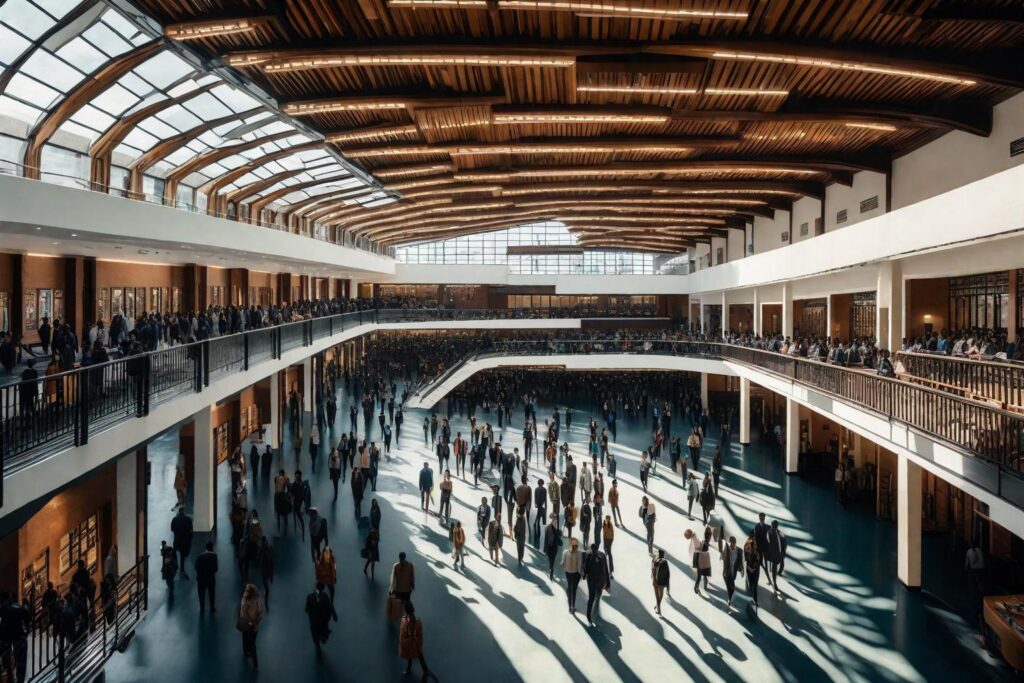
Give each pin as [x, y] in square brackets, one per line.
[74, 234]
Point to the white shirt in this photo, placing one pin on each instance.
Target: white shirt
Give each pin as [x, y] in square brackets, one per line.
[571, 560]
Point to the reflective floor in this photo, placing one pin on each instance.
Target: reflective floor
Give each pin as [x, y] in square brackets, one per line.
[840, 613]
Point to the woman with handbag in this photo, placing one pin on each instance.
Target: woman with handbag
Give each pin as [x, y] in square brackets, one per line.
[752, 566]
[410, 641]
[702, 563]
[250, 614]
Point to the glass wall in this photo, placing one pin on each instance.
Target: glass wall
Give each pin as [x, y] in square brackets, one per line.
[491, 248]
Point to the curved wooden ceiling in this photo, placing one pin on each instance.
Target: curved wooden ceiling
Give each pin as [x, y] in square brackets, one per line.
[476, 111]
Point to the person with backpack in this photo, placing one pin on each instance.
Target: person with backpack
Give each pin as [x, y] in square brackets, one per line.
[660, 573]
[707, 498]
[317, 532]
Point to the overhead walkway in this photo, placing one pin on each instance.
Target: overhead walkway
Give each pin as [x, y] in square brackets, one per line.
[970, 444]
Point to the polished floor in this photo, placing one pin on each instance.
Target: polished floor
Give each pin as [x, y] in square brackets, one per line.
[840, 614]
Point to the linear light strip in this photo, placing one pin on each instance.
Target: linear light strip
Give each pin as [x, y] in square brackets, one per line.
[579, 118]
[579, 7]
[207, 30]
[842, 66]
[872, 126]
[327, 107]
[597, 172]
[307, 63]
[396, 131]
[655, 90]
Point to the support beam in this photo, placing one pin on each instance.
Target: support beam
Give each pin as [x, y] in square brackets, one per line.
[703, 389]
[127, 509]
[204, 481]
[889, 306]
[307, 381]
[792, 445]
[276, 419]
[725, 315]
[908, 522]
[203, 160]
[744, 411]
[387, 102]
[757, 314]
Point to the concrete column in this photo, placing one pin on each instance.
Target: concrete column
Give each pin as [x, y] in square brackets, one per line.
[725, 315]
[787, 309]
[908, 523]
[792, 436]
[1012, 323]
[889, 317]
[828, 315]
[353, 289]
[703, 322]
[275, 411]
[307, 385]
[127, 512]
[757, 314]
[204, 484]
[704, 390]
[744, 411]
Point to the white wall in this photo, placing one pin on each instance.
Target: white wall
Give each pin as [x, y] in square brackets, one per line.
[768, 232]
[959, 158]
[737, 244]
[805, 210]
[838, 197]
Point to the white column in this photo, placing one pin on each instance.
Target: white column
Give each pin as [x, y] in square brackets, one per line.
[275, 411]
[353, 289]
[792, 436]
[725, 315]
[757, 314]
[744, 411]
[828, 315]
[787, 310]
[704, 390]
[127, 512]
[204, 482]
[703, 324]
[908, 522]
[307, 385]
[889, 306]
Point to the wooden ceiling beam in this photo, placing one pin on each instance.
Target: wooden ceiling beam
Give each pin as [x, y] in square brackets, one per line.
[257, 205]
[306, 205]
[640, 64]
[965, 14]
[953, 69]
[389, 102]
[535, 145]
[213, 187]
[341, 137]
[779, 188]
[213, 27]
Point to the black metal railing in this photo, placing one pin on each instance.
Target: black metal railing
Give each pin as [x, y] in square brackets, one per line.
[68, 646]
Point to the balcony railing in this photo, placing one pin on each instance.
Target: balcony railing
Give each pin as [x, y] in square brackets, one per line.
[1002, 382]
[68, 649]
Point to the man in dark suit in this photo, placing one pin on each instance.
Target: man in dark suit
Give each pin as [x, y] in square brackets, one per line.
[181, 527]
[761, 530]
[206, 578]
[320, 612]
[598, 576]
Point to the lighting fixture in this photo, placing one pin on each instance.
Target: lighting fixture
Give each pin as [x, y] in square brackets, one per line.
[411, 170]
[583, 7]
[668, 169]
[303, 63]
[872, 126]
[327, 106]
[466, 189]
[641, 90]
[540, 117]
[837, 65]
[194, 31]
[461, 124]
[562, 149]
[370, 133]
[413, 184]
[481, 177]
[393, 151]
[756, 92]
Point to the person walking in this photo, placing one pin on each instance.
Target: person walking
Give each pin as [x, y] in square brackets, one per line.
[206, 578]
[519, 534]
[752, 566]
[598, 576]
[707, 498]
[613, 500]
[495, 535]
[716, 467]
[371, 550]
[403, 579]
[356, 483]
[692, 494]
[445, 508]
[702, 563]
[571, 565]
[320, 611]
[570, 518]
[282, 501]
[776, 554]
[250, 614]
[645, 469]
[732, 566]
[586, 519]
[327, 570]
[552, 542]
[168, 567]
[334, 468]
[410, 641]
[181, 528]
[426, 485]
[647, 514]
[266, 562]
[317, 533]
[459, 545]
[608, 536]
[660, 574]
[693, 443]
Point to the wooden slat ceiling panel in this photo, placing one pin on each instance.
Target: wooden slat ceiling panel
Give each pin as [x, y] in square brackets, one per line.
[909, 111]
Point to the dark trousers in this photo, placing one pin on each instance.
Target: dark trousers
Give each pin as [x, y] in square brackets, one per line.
[249, 645]
[551, 562]
[207, 588]
[571, 589]
[608, 552]
[594, 590]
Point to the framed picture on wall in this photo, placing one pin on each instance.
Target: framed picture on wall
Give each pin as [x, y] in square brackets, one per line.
[58, 304]
[116, 301]
[102, 304]
[34, 578]
[80, 543]
[31, 318]
[129, 302]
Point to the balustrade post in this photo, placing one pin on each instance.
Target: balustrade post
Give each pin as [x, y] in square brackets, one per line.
[245, 351]
[206, 362]
[146, 382]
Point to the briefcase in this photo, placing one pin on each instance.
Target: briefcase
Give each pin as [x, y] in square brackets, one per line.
[394, 608]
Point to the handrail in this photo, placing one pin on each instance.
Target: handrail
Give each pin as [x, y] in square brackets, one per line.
[1002, 381]
[109, 190]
